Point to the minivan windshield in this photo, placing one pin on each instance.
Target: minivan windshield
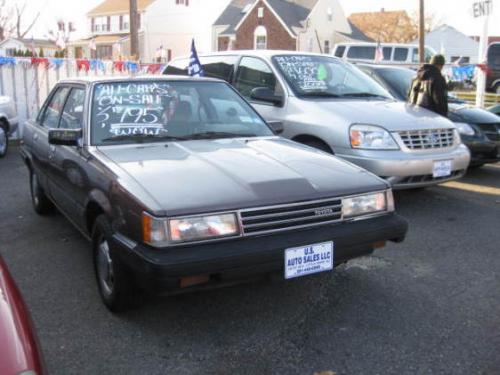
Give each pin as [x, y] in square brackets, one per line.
[323, 76]
[154, 111]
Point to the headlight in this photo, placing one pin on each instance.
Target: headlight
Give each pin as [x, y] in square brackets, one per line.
[162, 232]
[367, 204]
[465, 129]
[371, 137]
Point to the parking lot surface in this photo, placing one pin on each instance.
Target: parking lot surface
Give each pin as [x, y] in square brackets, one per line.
[429, 305]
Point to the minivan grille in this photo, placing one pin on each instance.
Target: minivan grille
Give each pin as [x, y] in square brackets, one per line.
[276, 218]
[491, 131]
[428, 139]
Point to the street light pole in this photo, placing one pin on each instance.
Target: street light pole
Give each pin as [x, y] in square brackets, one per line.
[134, 32]
[421, 32]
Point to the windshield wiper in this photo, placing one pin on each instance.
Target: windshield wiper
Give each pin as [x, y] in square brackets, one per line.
[321, 94]
[140, 138]
[363, 95]
[216, 135]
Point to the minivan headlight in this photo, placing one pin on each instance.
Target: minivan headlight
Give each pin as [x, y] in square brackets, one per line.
[372, 138]
[367, 204]
[465, 129]
[162, 232]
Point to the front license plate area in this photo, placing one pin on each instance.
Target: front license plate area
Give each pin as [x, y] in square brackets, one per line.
[306, 260]
[442, 168]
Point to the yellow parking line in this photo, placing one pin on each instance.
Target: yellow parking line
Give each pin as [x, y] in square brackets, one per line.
[473, 188]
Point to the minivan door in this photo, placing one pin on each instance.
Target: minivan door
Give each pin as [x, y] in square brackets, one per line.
[256, 73]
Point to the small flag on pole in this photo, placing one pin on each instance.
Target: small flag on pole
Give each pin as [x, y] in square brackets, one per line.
[379, 53]
[195, 69]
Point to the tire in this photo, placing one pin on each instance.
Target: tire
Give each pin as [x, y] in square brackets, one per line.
[317, 144]
[4, 140]
[41, 204]
[115, 286]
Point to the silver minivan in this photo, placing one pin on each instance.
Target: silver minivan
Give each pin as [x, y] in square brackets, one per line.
[331, 105]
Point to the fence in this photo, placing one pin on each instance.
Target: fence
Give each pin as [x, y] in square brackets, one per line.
[470, 98]
[29, 81]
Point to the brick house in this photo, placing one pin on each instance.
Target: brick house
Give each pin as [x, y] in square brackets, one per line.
[302, 25]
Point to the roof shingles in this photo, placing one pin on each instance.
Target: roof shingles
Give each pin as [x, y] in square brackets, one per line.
[118, 6]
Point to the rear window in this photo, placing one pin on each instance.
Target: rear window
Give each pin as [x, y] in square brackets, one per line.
[387, 51]
[400, 54]
[339, 52]
[361, 52]
[494, 56]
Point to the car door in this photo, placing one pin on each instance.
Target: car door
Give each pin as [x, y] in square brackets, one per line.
[48, 119]
[254, 73]
[68, 179]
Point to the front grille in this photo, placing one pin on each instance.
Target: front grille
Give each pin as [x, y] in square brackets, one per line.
[276, 218]
[491, 131]
[428, 139]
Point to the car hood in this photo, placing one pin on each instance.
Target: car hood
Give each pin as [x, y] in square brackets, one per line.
[207, 176]
[391, 115]
[473, 115]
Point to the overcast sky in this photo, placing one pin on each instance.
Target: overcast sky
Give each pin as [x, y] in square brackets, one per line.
[456, 13]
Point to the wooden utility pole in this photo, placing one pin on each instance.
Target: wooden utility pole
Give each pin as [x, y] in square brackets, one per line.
[134, 30]
[421, 32]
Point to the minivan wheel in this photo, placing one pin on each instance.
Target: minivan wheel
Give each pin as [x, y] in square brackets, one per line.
[115, 286]
[318, 145]
[41, 204]
[4, 141]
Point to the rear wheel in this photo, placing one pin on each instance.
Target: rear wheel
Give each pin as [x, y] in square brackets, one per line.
[41, 204]
[4, 140]
[115, 286]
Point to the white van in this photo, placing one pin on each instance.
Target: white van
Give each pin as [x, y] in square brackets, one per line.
[393, 53]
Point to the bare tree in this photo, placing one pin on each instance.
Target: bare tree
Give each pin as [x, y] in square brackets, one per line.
[20, 17]
[6, 14]
[12, 19]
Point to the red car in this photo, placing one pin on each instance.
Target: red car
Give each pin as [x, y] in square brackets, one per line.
[19, 352]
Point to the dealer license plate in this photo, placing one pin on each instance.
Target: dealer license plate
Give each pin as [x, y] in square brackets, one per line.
[306, 260]
[442, 168]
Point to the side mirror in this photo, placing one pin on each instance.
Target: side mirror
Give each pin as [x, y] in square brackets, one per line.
[265, 94]
[276, 126]
[65, 137]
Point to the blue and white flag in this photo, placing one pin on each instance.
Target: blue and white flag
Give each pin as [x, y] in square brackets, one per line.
[195, 69]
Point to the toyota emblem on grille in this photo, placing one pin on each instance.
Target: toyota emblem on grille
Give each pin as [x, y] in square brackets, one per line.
[323, 212]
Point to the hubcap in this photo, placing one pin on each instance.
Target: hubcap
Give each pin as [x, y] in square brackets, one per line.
[3, 141]
[34, 189]
[105, 267]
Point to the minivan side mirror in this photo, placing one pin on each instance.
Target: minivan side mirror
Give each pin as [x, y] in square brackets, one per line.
[276, 126]
[265, 94]
[65, 137]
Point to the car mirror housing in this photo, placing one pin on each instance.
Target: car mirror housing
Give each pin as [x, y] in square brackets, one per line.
[265, 94]
[65, 137]
[276, 126]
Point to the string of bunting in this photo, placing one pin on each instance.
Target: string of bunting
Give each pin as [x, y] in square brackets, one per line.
[83, 65]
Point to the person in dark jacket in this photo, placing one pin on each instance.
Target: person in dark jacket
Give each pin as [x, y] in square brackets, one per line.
[429, 89]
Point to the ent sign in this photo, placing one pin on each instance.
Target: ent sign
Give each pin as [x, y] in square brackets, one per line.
[482, 8]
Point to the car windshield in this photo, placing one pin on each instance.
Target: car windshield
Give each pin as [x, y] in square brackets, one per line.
[323, 76]
[152, 111]
[399, 80]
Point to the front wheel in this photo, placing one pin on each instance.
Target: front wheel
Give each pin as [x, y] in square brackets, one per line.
[115, 286]
[4, 141]
[320, 145]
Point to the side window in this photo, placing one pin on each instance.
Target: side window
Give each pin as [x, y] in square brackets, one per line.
[54, 108]
[400, 54]
[221, 67]
[365, 53]
[339, 52]
[387, 51]
[177, 67]
[253, 73]
[72, 116]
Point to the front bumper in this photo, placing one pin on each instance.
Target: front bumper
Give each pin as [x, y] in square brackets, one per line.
[407, 170]
[161, 270]
[482, 150]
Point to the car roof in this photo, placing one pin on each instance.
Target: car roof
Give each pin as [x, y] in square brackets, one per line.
[371, 44]
[384, 67]
[268, 53]
[137, 78]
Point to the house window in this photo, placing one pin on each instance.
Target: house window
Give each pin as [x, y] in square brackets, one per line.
[10, 51]
[329, 14]
[260, 12]
[310, 43]
[182, 2]
[326, 47]
[105, 52]
[260, 36]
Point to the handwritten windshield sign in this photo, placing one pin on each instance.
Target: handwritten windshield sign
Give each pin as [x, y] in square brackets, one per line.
[306, 73]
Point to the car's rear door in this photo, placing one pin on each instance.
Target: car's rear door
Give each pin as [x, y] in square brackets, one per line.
[48, 119]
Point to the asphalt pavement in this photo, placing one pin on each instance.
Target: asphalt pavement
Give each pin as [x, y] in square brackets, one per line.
[430, 305]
